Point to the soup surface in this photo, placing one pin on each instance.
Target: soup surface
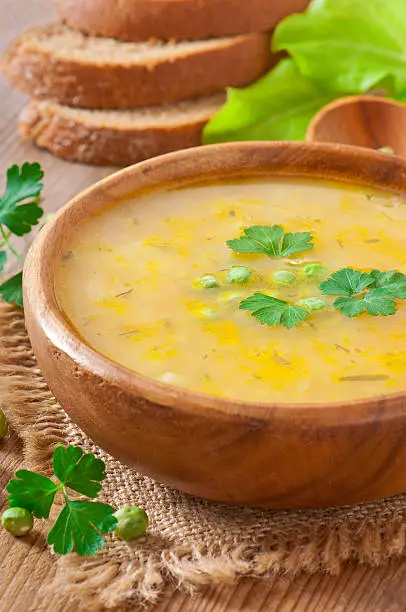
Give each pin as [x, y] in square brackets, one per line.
[129, 283]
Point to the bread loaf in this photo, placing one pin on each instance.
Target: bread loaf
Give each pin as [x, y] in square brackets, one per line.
[59, 64]
[117, 138]
[137, 20]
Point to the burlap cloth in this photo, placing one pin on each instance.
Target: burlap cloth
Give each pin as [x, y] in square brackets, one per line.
[191, 542]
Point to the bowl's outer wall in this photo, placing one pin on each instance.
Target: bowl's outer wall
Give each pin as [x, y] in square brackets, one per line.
[362, 121]
[264, 456]
[237, 459]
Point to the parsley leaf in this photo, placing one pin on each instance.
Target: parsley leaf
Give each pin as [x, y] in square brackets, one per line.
[349, 307]
[373, 303]
[22, 184]
[372, 293]
[378, 303]
[3, 259]
[393, 282]
[19, 212]
[271, 240]
[346, 282]
[33, 492]
[11, 290]
[271, 311]
[80, 525]
[80, 472]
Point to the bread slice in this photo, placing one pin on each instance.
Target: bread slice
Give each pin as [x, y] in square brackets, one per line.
[136, 20]
[117, 138]
[57, 63]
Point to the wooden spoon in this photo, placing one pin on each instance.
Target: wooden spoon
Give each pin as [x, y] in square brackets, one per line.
[362, 121]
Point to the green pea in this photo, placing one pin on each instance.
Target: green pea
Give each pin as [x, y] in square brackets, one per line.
[238, 274]
[388, 150]
[284, 278]
[132, 523]
[209, 281]
[312, 303]
[314, 270]
[17, 521]
[3, 424]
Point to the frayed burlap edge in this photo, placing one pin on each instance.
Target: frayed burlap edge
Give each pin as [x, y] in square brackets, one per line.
[370, 534]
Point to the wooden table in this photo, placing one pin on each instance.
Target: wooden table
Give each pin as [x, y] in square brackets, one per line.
[25, 565]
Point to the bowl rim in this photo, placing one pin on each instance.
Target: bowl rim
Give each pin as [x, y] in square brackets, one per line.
[327, 161]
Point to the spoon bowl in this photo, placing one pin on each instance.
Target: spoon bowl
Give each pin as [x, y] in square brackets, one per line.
[362, 121]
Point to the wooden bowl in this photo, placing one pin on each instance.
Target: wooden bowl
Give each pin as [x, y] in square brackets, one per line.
[362, 121]
[263, 455]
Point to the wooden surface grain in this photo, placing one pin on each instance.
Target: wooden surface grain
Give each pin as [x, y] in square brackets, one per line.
[25, 564]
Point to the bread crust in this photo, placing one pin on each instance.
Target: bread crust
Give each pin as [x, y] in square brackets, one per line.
[49, 127]
[92, 84]
[137, 20]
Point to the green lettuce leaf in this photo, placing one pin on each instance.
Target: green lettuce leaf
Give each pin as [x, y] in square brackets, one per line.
[348, 46]
[277, 107]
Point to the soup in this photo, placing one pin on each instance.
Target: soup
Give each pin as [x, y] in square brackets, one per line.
[152, 284]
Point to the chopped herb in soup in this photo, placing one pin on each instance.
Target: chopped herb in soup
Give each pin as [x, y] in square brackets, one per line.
[267, 291]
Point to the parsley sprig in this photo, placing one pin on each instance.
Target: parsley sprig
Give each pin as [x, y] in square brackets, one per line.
[19, 213]
[271, 240]
[359, 292]
[81, 523]
[374, 292]
[271, 311]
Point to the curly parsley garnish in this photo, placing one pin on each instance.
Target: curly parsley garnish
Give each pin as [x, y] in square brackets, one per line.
[271, 311]
[271, 240]
[374, 292]
[19, 212]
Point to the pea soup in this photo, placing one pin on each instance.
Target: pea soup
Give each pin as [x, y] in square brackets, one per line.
[180, 287]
